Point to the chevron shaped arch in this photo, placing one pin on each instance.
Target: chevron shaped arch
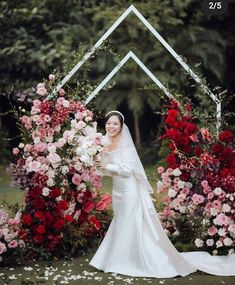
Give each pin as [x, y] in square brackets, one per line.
[129, 10]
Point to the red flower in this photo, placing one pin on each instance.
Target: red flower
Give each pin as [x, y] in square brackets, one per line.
[62, 205]
[49, 219]
[27, 219]
[217, 148]
[39, 215]
[171, 160]
[38, 239]
[69, 218]
[59, 224]
[95, 222]
[54, 193]
[41, 229]
[88, 206]
[226, 136]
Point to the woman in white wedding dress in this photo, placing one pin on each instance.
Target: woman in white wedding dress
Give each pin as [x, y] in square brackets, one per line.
[135, 243]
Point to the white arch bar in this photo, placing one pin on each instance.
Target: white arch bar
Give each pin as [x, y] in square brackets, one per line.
[162, 41]
[129, 55]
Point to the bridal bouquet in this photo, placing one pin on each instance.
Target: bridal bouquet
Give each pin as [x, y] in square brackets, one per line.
[199, 184]
[56, 167]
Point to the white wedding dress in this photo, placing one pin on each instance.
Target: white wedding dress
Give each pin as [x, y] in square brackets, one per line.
[135, 243]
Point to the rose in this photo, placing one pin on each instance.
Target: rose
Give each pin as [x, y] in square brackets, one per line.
[176, 172]
[212, 231]
[61, 92]
[198, 242]
[41, 229]
[51, 77]
[27, 219]
[210, 242]
[88, 206]
[13, 244]
[160, 169]
[197, 199]
[2, 248]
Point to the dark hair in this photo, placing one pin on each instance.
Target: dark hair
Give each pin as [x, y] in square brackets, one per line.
[116, 114]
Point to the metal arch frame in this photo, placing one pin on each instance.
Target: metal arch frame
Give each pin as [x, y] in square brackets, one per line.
[162, 41]
[129, 55]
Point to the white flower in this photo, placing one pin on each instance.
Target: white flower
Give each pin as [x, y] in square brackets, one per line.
[86, 159]
[214, 212]
[176, 172]
[81, 186]
[228, 241]
[66, 103]
[217, 191]
[172, 193]
[50, 182]
[210, 242]
[36, 140]
[65, 169]
[53, 158]
[45, 191]
[188, 185]
[59, 198]
[215, 252]
[198, 242]
[105, 140]
[182, 209]
[21, 145]
[51, 148]
[226, 208]
[219, 243]
[181, 184]
[231, 251]
[222, 232]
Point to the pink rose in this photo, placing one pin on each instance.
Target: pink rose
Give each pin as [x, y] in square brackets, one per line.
[13, 244]
[210, 196]
[15, 150]
[194, 138]
[221, 220]
[2, 248]
[212, 231]
[231, 228]
[204, 183]
[61, 92]
[76, 179]
[28, 147]
[206, 190]
[51, 77]
[100, 206]
[13, 222]
[217, 204]
[160, 169]
[88, 206]
[40, 147]
[198, 199]
[53, 158]
[206, 135]
[41, 91]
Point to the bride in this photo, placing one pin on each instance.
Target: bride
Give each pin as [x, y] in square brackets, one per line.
[135, 243]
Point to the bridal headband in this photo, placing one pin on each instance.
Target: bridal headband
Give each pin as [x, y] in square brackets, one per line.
[114, 111]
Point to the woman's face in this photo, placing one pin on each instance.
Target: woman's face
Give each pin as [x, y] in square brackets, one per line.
[113, 126]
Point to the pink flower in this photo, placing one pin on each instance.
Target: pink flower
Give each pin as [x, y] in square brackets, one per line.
[210, 242]
[198, 199]
[15, 150]
[28, 147]
[76, 179]
[204, 183]
[210, 196]
[206, 190]
[51, 77]
[212, 231]
[206, 135]
[13, 222]
[100, 206]
[2, 248]
[217, 204]
[40, 147]
[221, 220]
[185, 191]
[160, 169]
[166, 199]
[13, 244]
[61, 92]
[231, 228]
[194, 138]
[41, 91]
[53, 158]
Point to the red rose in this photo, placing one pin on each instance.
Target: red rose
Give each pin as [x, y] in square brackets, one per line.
[38, 239]
[39, 215]
[88, 206]
[226, 136]
[62, 205]
[95, 222]
[54, 193]
[171, 160]
[69, 218]
[41, 229]
[217, 148]
[27, 219]
[49, 219]
[59, 224]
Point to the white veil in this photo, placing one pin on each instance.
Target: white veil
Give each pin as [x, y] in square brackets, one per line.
[125, 145]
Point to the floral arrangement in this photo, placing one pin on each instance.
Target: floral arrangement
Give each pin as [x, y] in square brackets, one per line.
[56, 167]
[199, 183]
[10, 243]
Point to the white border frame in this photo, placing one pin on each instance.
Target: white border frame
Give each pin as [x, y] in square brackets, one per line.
[162, 41]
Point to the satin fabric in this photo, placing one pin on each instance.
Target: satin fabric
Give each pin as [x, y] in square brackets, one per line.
[135, 243]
